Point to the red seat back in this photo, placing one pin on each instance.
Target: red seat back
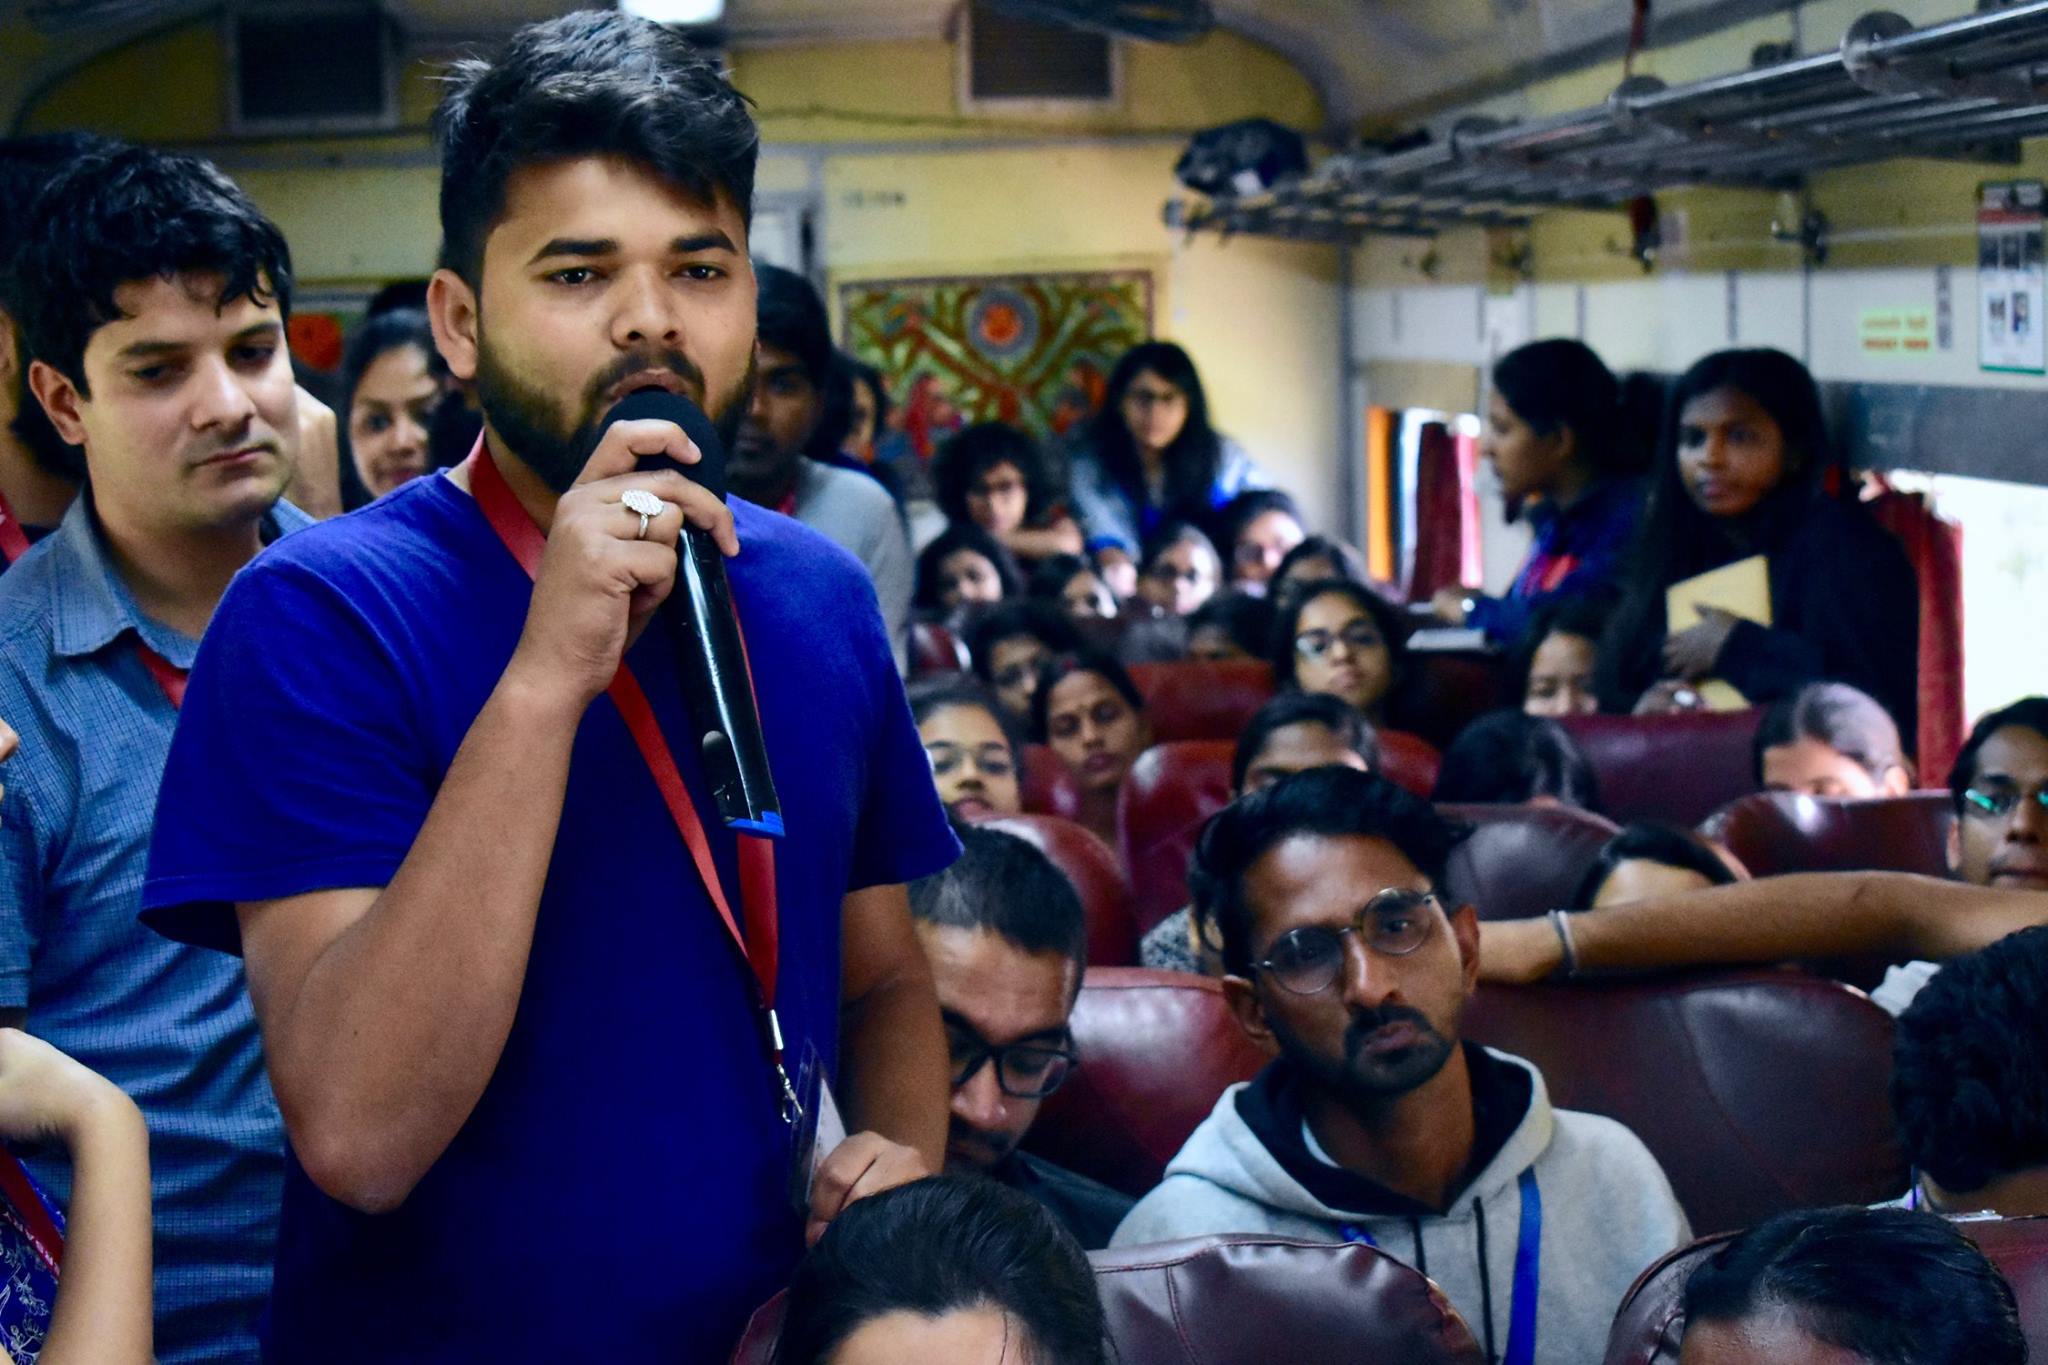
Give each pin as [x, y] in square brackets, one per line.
[1264, 1298]
[935, 649]
[1522, 861]
[1409, 761]
[1678, 768]
[1650, 1327]
[1157, 1049]
[1091, 867]
[1194, 699]
[1756, 1091]
[1047, 787]
[1449, 689]
[1776, 832]
[1170, 791]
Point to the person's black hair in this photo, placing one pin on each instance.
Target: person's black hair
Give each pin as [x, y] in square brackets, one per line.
[972, 452]
[1334, 714]
[946, 1244]
[1349, 562]
[1561, 385]
[1003, 884]
[129, 214]
[1194, 460]
[929, 696]
[27, 165]
[2028, 713]
[991, 625]
[1050, 576]
[1584, 616]
[1244, 509]
[1327, 802]
[589, 84]
[374, 336]
[870, 378]
[1246, 619]
[791, 317]
[1391, 621]
[1969, 1075]
[835, 411]
[1507, 757]
[1889, 1286]
[398, 296]
[1852, 723]
[1646, 840]
[1176, 532]
[963, 535]
[1063, 666]
[1675, 540]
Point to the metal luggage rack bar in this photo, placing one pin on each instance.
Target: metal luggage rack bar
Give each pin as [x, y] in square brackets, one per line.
[1970, 89]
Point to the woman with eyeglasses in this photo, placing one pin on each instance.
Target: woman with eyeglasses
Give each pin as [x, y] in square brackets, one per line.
[1257, 529]
[994, 475]
[1092, 716]
[1342, 639]
[973, 755]
[1072, 583]
[1008, 644]
[1150, 455]
[1179, 570]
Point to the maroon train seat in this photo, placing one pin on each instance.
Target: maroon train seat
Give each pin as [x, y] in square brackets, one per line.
[1170, 791]
[1198, 699]
[1157, 1049]
[1679, 768]
[1263, 1298]
[935, 649]
[1091, 867]
[1047, 788]
[1521, 861]
[1651, 1324]
[1448, 689]
[1215, 1299]
[1757, 1091]
[1777, 832]
[1409, 760]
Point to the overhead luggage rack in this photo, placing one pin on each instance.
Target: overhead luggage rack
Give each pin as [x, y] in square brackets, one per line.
[1972, 88]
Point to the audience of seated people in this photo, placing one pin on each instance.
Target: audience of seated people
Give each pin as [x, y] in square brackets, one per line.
[973, 753]
[947, 1268]
[1092, 716]
[964, 566]
[1559, 444]
[1231, 625]
[1008, 645]
[1257, 529]
[1007, 941]
[1508, 757]
[1072, 582]
[1559, 658]
[1743, 471]
[1377, 1123]
[1341, 638]
[1290, 734]
[1646, 861]
[1851, 1286]
[393, 383]
[994, 475]
[1828, 739]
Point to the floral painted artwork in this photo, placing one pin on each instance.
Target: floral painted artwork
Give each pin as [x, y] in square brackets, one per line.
[1033, 350]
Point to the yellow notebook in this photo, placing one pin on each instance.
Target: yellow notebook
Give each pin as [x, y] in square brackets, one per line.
[1741, 589]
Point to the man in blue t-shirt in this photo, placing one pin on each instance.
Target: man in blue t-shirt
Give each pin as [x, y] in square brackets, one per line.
[530, 1103]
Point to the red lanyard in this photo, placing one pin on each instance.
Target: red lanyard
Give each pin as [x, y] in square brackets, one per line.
[25, 1209]
[758, 945]
[168, 675]
[13, 540]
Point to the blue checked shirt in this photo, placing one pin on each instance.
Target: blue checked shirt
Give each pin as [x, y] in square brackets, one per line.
[170, 1024]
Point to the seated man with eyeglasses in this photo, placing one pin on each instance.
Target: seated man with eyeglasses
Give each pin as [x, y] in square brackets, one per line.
[1007, 941]
[1376, 1123]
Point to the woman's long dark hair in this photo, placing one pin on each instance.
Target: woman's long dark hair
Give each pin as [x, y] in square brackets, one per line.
[1561, 384]
[971, 453]
[1193, 461]
[1676, 540]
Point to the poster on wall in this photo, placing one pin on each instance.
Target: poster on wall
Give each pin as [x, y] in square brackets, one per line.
[2009, 285]
[1033, 350]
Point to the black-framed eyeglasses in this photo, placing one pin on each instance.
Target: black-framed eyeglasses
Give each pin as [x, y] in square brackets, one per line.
[1315, 645]
[1024, 1071]
[1395, 923]
[1996, 803]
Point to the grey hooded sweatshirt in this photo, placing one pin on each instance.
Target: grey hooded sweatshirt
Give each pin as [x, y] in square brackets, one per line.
[1607, 1211]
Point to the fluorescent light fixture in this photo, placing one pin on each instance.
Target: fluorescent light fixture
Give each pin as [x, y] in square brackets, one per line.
[676, 11]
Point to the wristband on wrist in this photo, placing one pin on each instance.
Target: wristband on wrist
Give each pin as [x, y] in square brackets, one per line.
[1560, 920]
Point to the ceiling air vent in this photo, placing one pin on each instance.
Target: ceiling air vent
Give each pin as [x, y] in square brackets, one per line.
[1011, 61]
[307, 69]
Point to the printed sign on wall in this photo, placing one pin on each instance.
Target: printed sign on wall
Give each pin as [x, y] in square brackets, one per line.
[2009, 252]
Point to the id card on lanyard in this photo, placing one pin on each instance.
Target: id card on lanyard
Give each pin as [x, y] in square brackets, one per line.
[758, 946]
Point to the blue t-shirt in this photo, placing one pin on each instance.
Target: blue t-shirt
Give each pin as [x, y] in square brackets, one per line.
[619, 1192]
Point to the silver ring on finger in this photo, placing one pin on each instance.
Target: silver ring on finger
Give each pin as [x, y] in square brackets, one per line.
[645, 505]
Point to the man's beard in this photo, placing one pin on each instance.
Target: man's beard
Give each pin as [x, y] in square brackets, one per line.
[1366, 1083]
[537, 429]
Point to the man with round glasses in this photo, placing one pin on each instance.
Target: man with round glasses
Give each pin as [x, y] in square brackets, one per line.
[1377, 1123]
[1007, 942]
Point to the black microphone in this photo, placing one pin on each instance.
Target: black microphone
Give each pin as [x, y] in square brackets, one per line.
[706, 632]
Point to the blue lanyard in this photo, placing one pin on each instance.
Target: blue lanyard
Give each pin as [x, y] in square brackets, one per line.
[1528, 1280]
